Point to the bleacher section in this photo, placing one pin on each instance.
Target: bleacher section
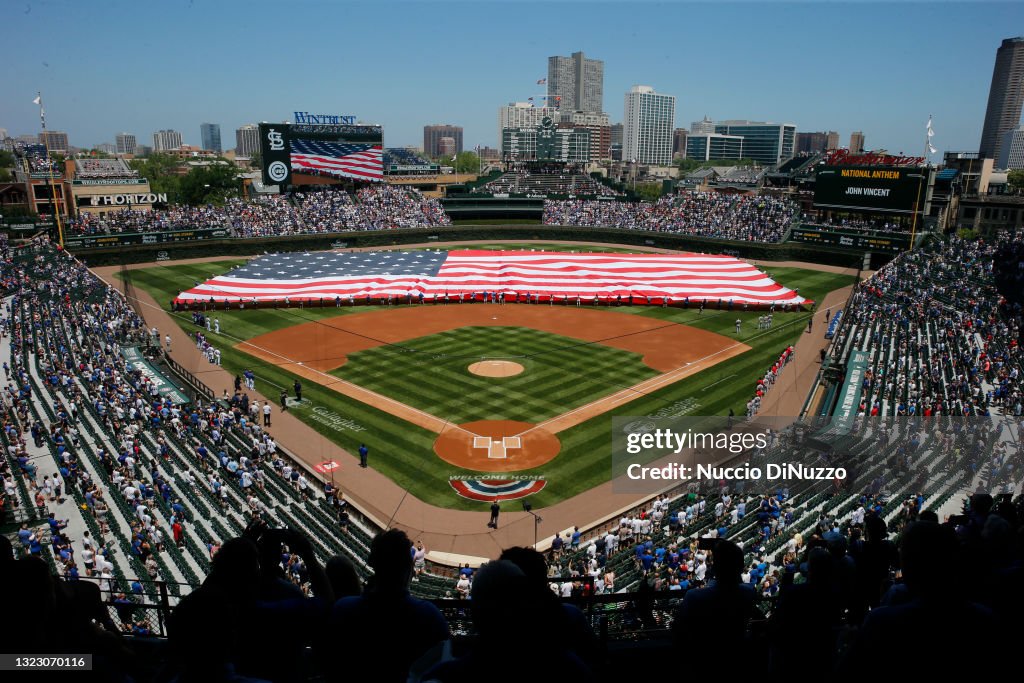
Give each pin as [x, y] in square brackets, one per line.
[937, 341]
[704, 214]
[567, 183]
[103, 169]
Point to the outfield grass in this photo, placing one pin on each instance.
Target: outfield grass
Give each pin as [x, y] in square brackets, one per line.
[404, 452]
[431, 373]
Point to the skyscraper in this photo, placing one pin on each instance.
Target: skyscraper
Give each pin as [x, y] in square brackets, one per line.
[764, 142]
[164, 140]
[648, 125]
[807, 143]
[679, 143]
[705, 125]
[578, 81]
[856, 142]
[125, 143]
[1005, 96]
[210, 133]
[1011, 155]
[832, 141]
[432, 138]
[247, 140]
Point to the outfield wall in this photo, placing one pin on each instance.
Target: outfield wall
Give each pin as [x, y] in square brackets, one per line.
[785, 251]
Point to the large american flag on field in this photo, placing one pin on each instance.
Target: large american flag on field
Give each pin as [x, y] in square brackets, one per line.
[342, 159]
[607, 276]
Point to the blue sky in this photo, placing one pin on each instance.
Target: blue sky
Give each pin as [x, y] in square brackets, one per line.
[111, 65]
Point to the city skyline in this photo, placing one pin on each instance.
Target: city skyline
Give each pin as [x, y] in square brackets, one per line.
[885, 89]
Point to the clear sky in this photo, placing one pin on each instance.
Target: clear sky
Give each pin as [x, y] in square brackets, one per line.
[110, 65]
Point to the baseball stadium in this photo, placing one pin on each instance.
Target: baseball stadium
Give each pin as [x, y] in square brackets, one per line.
[381, 378]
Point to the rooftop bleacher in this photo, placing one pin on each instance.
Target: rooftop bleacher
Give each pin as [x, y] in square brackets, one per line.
[103, 168]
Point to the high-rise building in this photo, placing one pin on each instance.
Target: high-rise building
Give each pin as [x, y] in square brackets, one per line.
[679, 143]
[648, 123]
[714, 146]
[832, 140]
[166, 140]
[432, 137]
[1005, 97]
[125, 143]
[522, 115]
[56, 141]
[809, 143]
[578, 82]
[765, 142]
[1011, 151]
[856, 142]
[210, 134]
[446, 147]
[705, 125]
[3, 133]
[247, 141]
[616, 145]
[598, 125]
[106, 147]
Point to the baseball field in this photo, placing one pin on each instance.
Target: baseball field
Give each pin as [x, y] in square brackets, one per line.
[448, 394]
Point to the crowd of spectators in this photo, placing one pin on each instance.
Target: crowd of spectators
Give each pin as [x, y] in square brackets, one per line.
[702, 214]
[553, 181]
[844, 596]
[378, 207]
[40, 164]
[940, 338]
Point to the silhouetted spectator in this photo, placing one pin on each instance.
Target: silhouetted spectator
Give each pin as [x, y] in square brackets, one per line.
[387, 627]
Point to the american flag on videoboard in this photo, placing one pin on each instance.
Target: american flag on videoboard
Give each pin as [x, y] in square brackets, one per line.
[343, 159]
[561, 275]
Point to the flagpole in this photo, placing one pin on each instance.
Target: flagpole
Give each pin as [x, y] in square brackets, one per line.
[49, 168]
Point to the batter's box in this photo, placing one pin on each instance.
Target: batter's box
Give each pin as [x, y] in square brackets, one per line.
[481, 442]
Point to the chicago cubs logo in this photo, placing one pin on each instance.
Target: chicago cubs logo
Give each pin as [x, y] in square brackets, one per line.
[490, 490]
[277, 171]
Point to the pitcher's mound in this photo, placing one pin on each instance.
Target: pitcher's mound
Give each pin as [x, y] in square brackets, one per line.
[496, 368]
[497, 446]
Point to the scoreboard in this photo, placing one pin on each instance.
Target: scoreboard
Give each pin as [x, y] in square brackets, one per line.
[349, 151]
[886, 189]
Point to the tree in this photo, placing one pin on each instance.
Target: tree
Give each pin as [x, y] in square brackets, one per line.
[648, 191]
[161, 170]
[466, 162]
[212, 184]
[256, 161]
[1015, 179]
[6, 159]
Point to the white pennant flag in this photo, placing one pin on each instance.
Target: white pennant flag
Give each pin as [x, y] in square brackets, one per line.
[930, 131]
[931, 150]
[37, 99]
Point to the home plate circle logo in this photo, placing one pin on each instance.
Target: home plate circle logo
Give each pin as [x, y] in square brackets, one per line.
[490, 490]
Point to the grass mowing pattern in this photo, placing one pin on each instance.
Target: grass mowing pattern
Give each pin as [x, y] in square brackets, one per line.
[431, 373]
[404, 452]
